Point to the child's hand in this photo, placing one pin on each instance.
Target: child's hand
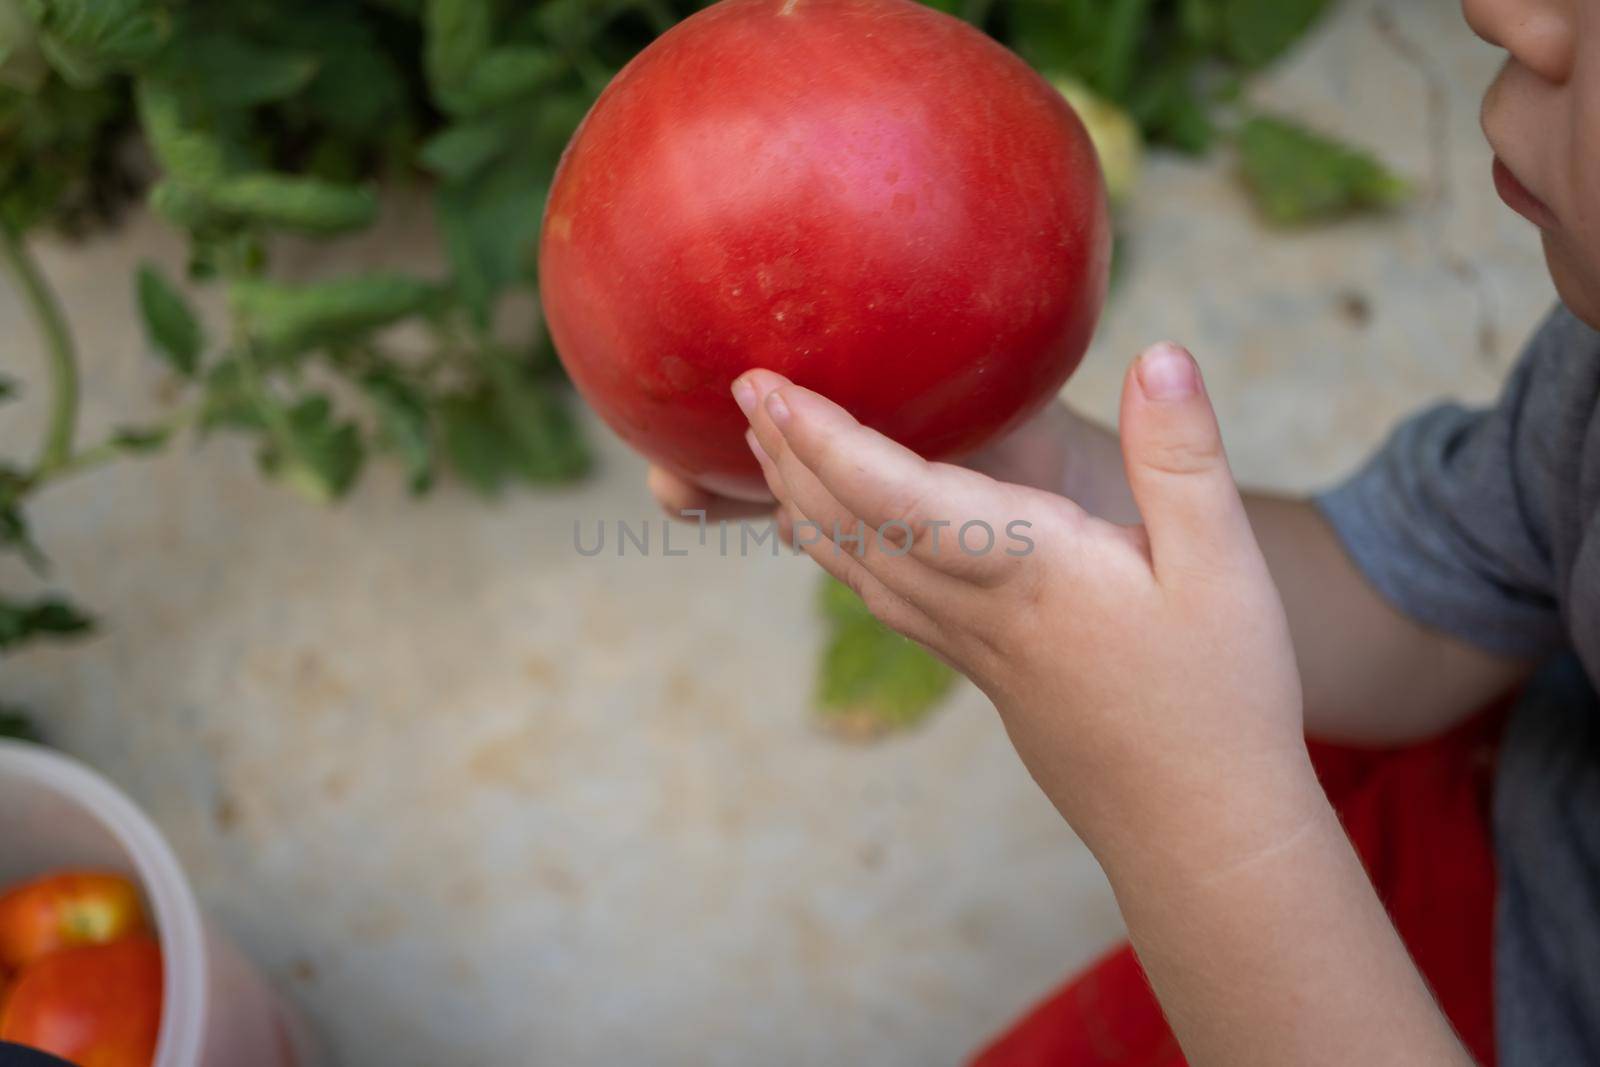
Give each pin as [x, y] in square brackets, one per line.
[1145, 673]
[1057, 450]
[682, 499]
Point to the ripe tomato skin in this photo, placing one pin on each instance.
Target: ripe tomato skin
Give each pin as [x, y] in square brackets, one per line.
[63, 910]
[93, 1006]
[868, 196]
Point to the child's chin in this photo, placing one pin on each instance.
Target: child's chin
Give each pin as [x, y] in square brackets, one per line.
[1577, 277]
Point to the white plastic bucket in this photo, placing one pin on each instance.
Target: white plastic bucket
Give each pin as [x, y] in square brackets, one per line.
[217, 1012]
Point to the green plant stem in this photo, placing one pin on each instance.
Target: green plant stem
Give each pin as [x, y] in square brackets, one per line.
[276, 422]
[235, 267]
[98, 455]
[36, 293]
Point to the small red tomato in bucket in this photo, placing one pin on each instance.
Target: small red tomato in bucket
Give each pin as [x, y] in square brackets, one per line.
[64, 910]
[94, 1006]
[868, 196]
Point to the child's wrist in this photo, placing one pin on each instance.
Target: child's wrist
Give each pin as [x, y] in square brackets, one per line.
[1197, 831]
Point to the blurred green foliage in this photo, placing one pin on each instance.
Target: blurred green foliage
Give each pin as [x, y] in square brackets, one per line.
[274, 117]
[870, 679]
[1169, 63]
[16, 725]
[1298, 175]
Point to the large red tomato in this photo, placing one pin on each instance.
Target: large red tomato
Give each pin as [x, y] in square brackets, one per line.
[95, 1006]
[65, 909]
[868, 196]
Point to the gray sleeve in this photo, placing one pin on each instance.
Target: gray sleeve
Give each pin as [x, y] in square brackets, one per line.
[1450, 519]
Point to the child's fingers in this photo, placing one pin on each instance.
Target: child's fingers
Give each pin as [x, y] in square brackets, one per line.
[830, 528]
[831, 519]
[826, 518]
[873, 477]
[681, 499]
[769, 470]
[797, 488]
[1177, 468]
[887, 605]
[838, 470]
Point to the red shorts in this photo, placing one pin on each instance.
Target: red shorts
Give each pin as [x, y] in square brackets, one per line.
[1419, 817]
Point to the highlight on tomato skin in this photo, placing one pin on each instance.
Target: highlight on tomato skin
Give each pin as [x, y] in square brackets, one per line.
[66, 909]
[93, 1006]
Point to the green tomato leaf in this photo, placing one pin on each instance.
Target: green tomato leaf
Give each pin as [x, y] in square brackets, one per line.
[169, 325]
[294, 203]
[1170, 110]
[230, 71]
[490, 228]
[501, 77]
[362, 97]
[58, 159]
[458, 34]
[1125, 27]
[16, 725]
[1255, 32]
[1199, 22]
[460, 152]
[192, 156]
[309, 205]
[571, 23]
[1060, 37]
[871, 680]
[313, 452]
[87, 39]
[230, 399]
[181, 205]
[473, 441]
[15, 535]
[517, 426]
[1298, 176]
[14, 481]
[839, 605]
[403, 425]
[22, 621]
[289, 319]
[543, 441]
[21, 63]
[359, 96]
[138, 440]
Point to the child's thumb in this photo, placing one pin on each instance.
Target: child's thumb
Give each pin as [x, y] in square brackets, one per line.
[1177, 468]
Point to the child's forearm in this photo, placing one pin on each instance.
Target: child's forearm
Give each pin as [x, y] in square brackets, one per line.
[1369, 673]
[1286, 957]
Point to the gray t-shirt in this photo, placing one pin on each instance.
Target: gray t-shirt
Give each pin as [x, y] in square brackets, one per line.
[1486, 525]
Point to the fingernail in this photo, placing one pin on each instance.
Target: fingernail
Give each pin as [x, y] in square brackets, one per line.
[1167, 372]
[744, 394]
[754, 442]
[777, 409]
